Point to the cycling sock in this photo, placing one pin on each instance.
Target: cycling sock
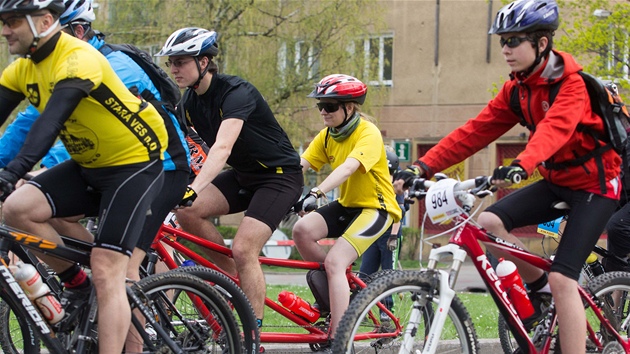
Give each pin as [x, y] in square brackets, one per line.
[259, 322]
[74, 278]
[539, 284]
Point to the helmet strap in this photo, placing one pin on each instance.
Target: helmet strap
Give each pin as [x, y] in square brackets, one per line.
[37, 36]
[540, 56]
[201, 74]
[345, 119]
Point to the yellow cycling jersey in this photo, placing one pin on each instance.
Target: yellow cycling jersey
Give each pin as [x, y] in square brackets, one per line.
[109, 127]
[368, 187]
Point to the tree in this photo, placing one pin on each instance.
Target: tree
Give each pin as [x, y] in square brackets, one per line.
[283, 46]
[596, 32]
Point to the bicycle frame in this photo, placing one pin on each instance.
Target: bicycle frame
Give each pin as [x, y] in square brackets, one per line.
[465, 241]
[166, 236]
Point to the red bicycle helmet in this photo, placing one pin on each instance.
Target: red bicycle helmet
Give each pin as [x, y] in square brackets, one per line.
[344, 88]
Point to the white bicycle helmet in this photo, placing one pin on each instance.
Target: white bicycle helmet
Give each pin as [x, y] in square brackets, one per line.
[190, 41]
[28, 6]
[77, 10]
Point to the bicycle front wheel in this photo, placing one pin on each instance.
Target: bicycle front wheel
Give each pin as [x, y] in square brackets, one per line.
[198, 319]
[16, 336]
[414, 304]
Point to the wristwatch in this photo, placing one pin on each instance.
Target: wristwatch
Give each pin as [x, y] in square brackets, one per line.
[317, 192]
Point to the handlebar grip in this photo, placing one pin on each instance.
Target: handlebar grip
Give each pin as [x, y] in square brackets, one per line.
[516, 179]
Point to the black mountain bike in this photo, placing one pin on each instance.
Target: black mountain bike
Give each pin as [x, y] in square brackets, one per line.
[197, 320]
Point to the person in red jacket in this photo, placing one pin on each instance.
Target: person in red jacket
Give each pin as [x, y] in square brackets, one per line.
[559, 135]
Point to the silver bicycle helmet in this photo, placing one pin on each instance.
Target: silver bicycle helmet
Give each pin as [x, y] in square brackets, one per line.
[190, 41]
[77, 10]
[28, 6]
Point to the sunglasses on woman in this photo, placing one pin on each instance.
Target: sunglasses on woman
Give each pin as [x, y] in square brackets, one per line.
[513, 42]
[329, 107]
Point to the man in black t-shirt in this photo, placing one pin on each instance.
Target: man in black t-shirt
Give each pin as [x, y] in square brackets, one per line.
[265, 180]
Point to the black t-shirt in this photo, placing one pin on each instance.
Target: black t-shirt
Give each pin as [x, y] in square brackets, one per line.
[262, 144]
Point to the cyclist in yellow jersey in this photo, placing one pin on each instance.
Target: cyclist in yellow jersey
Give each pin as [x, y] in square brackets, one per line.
[367, 204]
[116, 142]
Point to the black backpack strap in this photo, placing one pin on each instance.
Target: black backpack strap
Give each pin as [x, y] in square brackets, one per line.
[515, 106]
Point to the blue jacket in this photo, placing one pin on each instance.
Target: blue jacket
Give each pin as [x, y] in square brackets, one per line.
[131, 75]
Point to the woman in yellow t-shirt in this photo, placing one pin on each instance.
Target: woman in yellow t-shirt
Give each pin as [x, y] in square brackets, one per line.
[367, 204]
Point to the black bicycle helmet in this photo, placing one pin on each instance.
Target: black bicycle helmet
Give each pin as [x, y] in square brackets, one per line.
[392, 161]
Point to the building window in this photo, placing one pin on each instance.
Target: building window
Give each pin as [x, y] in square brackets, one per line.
[377, 58]
[298, 59]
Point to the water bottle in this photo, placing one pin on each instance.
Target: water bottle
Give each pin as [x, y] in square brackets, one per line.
[298, 306]
[513, 284]
[32, 284]
[188, 263]
[595, 265]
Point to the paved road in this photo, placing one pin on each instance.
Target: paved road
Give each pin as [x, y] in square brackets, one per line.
[469, 280]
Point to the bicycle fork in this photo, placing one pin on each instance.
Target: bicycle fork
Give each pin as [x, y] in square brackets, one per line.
[444, 281]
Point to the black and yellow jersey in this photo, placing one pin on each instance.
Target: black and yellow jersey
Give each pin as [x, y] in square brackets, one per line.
[109, 126]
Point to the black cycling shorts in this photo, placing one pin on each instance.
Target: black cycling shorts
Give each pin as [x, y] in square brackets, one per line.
[533, 205]
[120, 196]
[266, 197]
[172, 192]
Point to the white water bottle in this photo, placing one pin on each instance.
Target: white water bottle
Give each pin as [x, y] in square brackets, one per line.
[32, 284]
[513, 284]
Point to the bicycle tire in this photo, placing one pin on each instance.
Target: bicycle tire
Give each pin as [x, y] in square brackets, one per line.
[16, 336]
[611, 291]
[183, 323]
[233, 294]
[404, 286]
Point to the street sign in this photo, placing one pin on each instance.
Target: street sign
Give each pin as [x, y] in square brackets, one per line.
[403, 150]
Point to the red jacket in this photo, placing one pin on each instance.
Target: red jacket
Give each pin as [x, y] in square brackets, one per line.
[555, 138]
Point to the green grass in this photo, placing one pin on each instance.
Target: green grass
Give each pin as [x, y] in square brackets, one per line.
[481, 307]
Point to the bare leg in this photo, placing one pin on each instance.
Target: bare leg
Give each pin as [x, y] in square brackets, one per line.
[493, 224]
[209, 202]
[306, 232]
[108, 274]
[249, 240]
[340, 256]
[134, 343]
[72, 228]
[571, 316]
[27, 209]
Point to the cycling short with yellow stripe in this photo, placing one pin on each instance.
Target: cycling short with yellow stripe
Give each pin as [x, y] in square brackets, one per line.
[359, 226]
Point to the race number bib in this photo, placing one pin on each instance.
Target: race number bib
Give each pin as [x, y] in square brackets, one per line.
[550, 228]
[440, 201]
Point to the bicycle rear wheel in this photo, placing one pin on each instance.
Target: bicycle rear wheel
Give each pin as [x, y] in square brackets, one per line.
[611, 291]
[413, 301]
[198, 319]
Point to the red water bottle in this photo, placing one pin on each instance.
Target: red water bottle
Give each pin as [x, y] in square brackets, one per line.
[513, 284]
[298, 306]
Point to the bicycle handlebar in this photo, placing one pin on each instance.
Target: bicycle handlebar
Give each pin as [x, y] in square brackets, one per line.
[475, 186]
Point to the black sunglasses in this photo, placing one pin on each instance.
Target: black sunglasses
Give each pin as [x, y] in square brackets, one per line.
[513, 42]
[329, 107]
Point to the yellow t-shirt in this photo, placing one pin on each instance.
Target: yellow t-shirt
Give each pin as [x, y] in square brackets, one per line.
[368, 187]
[105, 128]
